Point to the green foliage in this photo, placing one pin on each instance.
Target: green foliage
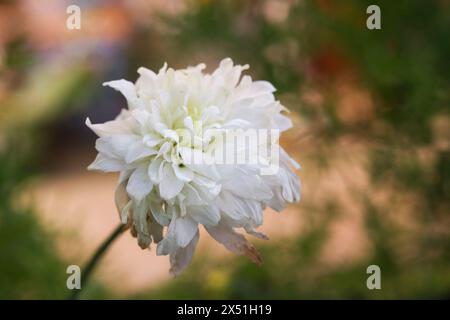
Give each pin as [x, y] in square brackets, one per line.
[29, 267]
[405, 63]
[406, 68]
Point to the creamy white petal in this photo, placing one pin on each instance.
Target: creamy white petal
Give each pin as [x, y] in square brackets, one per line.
[184, 229]
[128, 90]
[107, 164]
[247, 185]
[170, 185]
[137, 151]
[115, 145]
[206, 215]
[109, 127]
[192, 196]
[183, 173]
[234, 241]
[151, 140]
[155, 169]
[262, 86]
[181, 257]
[180, 233]
[139, 184]
[158, 213]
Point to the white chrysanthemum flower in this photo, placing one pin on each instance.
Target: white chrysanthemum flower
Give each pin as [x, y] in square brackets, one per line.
[159, 186]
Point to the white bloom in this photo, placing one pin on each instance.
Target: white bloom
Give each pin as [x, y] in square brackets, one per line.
[158, 187]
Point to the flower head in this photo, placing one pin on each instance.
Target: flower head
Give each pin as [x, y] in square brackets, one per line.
[173, 117]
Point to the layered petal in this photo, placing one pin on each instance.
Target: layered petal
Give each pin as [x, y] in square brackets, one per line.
[234, 241]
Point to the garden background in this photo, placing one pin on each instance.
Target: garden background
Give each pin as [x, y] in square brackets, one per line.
[371, 131]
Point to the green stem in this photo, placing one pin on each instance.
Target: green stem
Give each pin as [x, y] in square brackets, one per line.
[87, 270]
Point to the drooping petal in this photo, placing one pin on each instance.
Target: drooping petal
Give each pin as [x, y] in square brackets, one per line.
[240, 209]
[255, 233]
[140, 224]
[234, 241]
[181, 257]
[288, 160]
[158, 212]
[206, 215]
[125, 213]
[183, 229]
[121, 200]
[277, 202]
[295, 185]
[124, 175]
[156, 231]
[180, 233]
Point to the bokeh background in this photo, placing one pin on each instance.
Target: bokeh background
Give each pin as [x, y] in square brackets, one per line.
[372, 133]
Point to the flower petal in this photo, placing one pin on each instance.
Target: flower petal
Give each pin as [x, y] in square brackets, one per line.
[109, 127]
[115, 146]
[156, 231]
[158, 213]
[122, 202]
[206, 215]
[184, 229]
[141, 226]
[155, 169]
[234, 241]
[170, 185]
[183, 173]
[180, 233]
[106, 164]
[128, 90]
[181, 257]
[139, 184]
[137, 151]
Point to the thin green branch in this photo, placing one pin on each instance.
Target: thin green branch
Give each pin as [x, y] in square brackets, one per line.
[87, 270]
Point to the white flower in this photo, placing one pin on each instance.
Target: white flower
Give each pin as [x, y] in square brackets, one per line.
[160, 187]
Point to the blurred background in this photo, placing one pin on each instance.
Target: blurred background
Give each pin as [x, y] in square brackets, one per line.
[372, 133]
